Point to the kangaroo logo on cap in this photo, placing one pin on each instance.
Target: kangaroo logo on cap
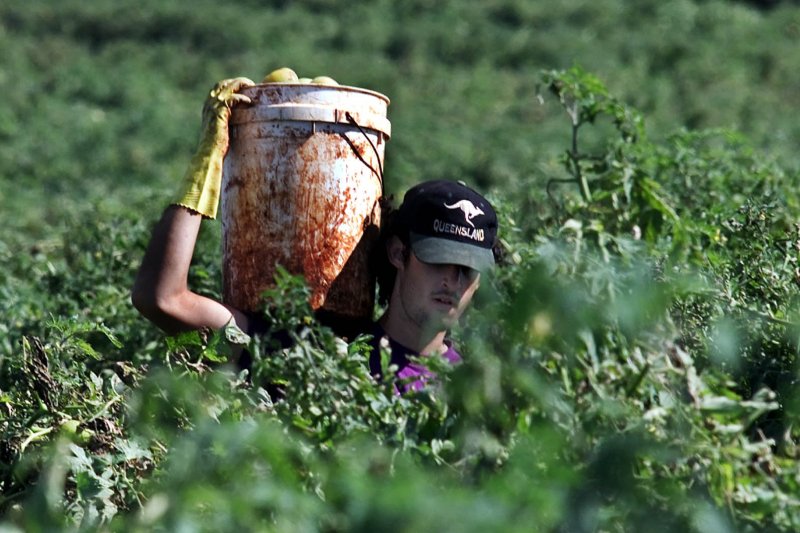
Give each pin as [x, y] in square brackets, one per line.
[469, 209]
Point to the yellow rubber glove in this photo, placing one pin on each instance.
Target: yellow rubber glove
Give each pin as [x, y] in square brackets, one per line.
[201, 185]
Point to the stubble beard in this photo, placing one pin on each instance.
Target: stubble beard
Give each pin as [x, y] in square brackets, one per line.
[427, 321]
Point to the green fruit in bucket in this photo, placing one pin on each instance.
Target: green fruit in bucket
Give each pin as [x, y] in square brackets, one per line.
[304, 80]
[324, 80]
[281, 75]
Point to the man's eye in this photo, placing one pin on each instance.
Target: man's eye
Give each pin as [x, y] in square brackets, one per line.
[467, 272]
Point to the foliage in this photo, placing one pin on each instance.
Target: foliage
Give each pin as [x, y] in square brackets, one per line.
[631, 367]
[127, 79]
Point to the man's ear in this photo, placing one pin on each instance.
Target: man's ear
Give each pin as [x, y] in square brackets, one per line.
[396, 252]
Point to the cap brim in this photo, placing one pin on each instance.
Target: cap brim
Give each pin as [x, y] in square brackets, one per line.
[445, 251]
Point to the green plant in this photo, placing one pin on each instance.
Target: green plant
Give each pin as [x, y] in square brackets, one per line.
[632, 367]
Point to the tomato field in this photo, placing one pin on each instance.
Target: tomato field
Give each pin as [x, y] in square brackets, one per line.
[631, 366]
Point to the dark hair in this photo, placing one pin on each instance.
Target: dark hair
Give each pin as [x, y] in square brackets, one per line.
[385, 271]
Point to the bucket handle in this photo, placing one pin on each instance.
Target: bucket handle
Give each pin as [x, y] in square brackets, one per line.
[379, 172]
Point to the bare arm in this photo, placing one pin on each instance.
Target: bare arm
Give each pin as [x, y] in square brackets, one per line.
[160, 291]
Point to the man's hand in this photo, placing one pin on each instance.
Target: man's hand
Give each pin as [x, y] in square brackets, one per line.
[200, 190]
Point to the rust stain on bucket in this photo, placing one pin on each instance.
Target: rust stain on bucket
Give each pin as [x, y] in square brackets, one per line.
[301, 189]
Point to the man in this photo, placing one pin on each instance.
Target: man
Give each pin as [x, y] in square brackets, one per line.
[436, 245]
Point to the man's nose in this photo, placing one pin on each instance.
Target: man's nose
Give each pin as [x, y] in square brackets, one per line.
[451, 276]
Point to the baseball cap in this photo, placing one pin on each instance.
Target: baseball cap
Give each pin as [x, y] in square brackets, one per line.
[449, 223]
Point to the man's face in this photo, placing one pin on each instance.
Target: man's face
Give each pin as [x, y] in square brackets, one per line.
[432, 296]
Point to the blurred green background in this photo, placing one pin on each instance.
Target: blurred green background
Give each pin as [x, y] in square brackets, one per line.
[101, 100]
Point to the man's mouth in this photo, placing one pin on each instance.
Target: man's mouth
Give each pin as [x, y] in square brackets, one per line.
[444, 299]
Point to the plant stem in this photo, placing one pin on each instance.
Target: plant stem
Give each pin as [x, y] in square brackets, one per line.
[34, 436]
[574, 155]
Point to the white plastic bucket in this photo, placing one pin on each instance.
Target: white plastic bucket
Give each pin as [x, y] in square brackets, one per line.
[302, 182]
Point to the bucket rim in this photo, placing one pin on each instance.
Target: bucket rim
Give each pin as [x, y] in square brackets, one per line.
[318, 86]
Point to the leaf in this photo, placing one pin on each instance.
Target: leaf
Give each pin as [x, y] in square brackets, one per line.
[79, 461]
[720, 404]
[649, 188]
[183, 339]
[86, 348]
[235, 335]
[131, 449]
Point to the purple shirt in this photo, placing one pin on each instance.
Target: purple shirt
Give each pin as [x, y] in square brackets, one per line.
[411, 375]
